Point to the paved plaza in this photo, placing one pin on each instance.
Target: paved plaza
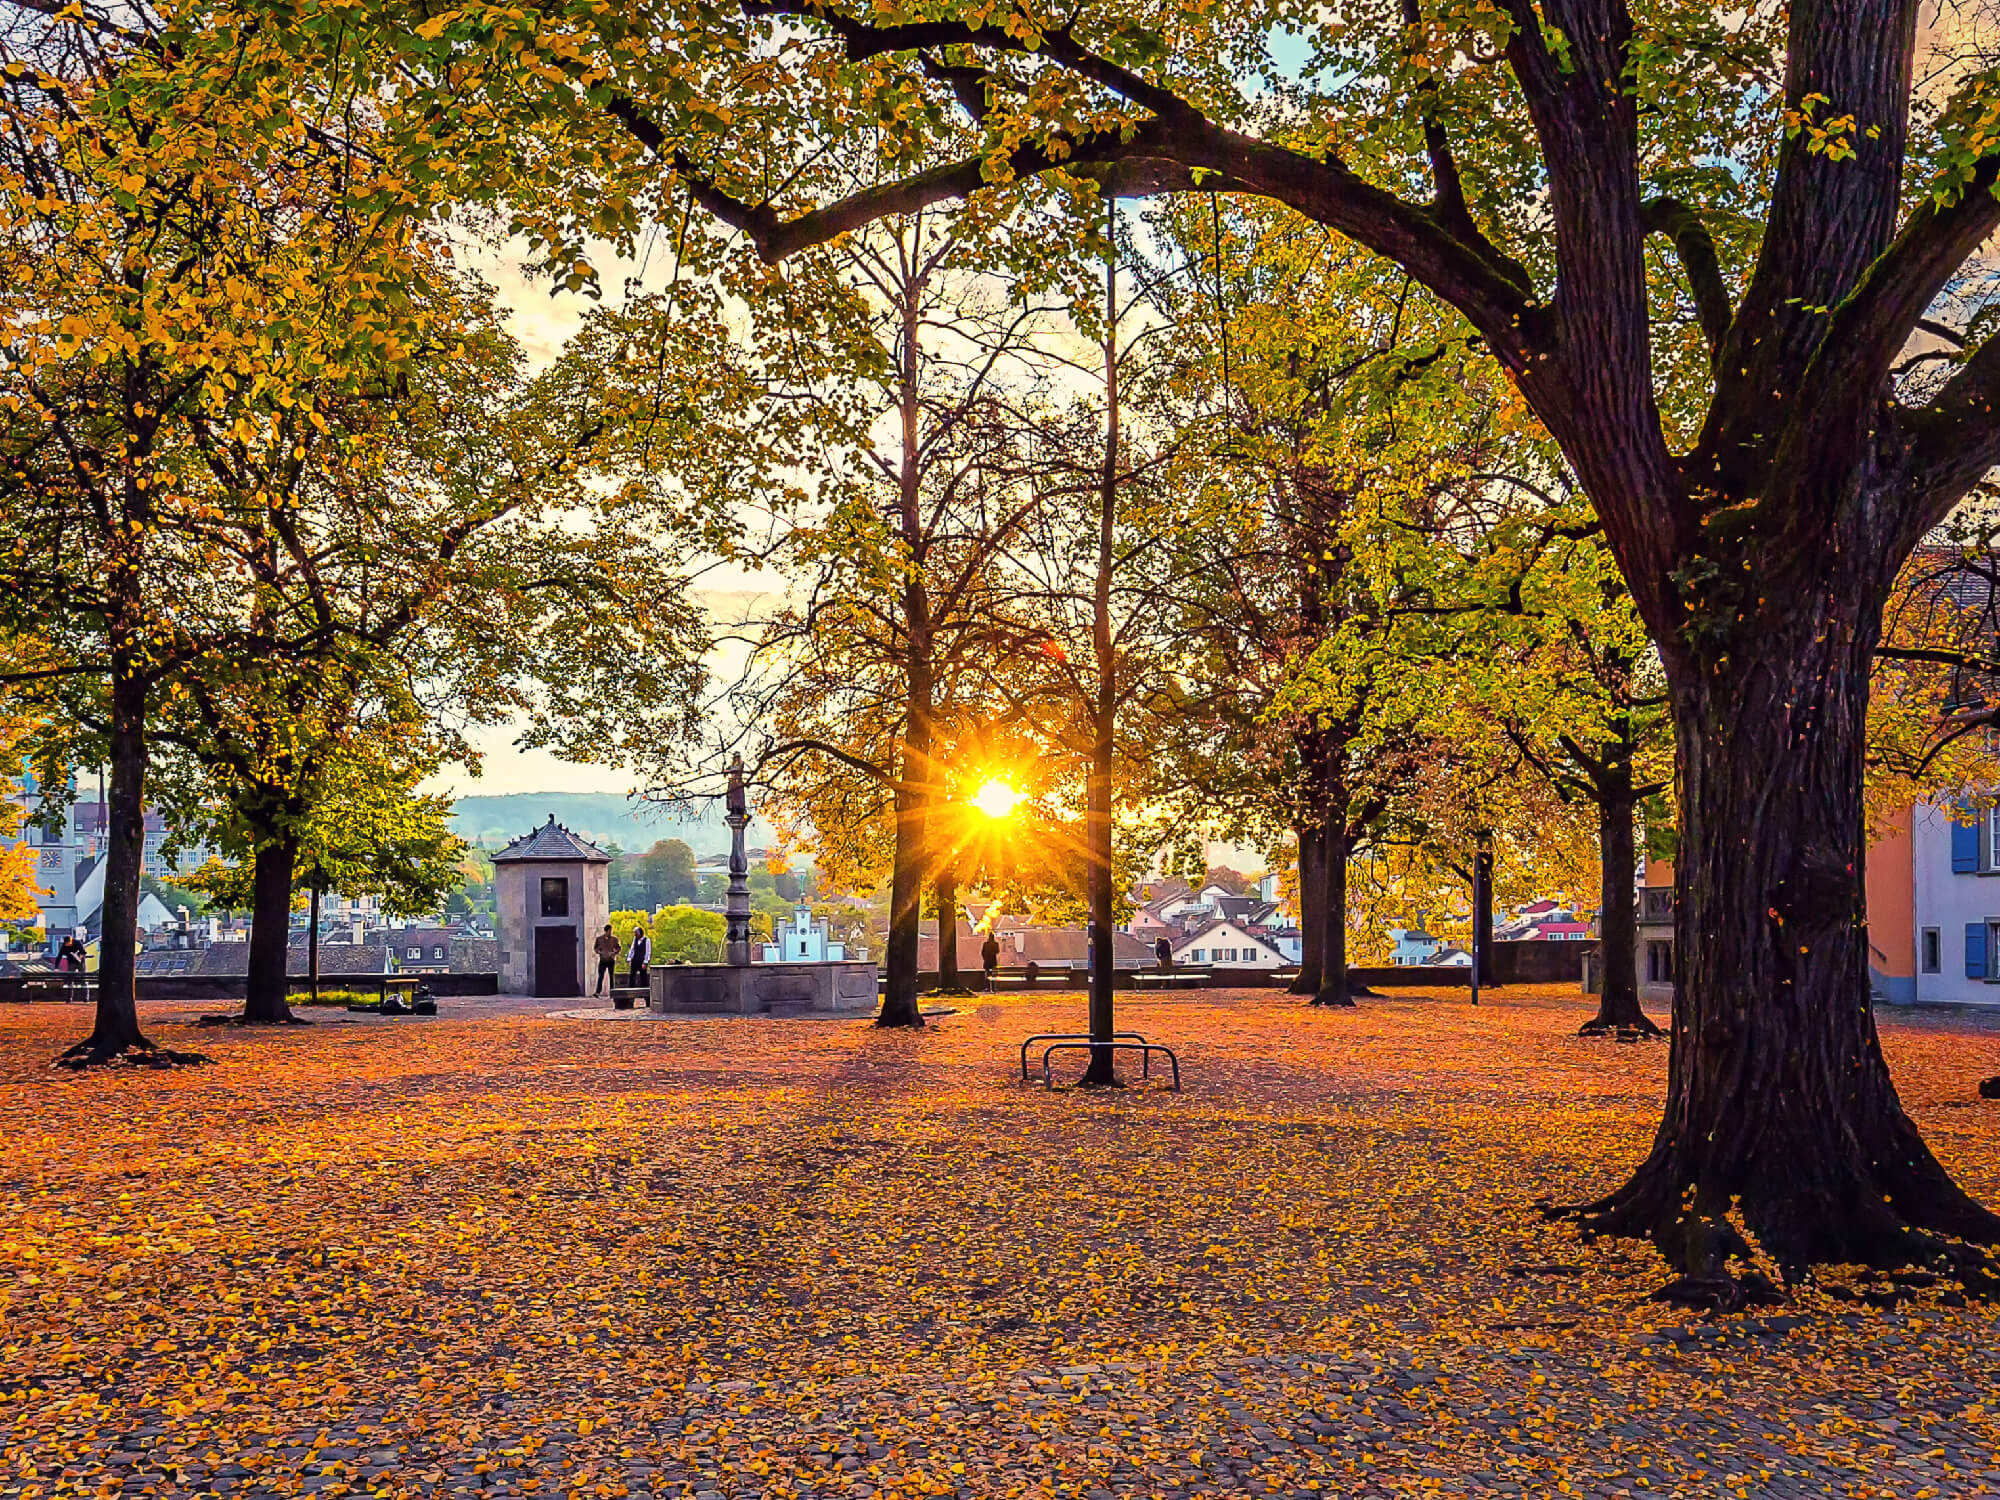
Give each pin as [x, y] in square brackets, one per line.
[499, 1254]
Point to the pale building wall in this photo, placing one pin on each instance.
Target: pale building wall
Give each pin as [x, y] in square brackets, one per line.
[1948, 902]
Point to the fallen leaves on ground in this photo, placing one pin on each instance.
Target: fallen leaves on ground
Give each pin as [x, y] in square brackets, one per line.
[519, 1256]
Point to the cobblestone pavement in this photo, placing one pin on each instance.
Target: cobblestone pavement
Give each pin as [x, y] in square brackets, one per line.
[513, 1256]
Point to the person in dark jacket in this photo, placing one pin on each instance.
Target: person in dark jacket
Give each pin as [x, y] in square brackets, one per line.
[989, 957]
[606, 949]
[641, 956]
[1163, 954]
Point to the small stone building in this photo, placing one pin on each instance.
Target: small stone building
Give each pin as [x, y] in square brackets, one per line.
[551, 894]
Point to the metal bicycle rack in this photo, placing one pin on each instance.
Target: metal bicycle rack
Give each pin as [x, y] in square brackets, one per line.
[1076, 1036]
[1147, 1049]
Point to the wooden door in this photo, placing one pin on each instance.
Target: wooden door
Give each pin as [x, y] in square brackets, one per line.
[557, 974]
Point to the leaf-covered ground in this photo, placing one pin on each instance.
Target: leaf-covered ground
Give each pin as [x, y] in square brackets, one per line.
[507, 1255]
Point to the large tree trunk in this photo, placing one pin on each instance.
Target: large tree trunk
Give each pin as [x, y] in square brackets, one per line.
[1781, 1116]
[1312, 907]
[116, 1029]
[1333, 986]
[1617, 923]
[267, 990]
[946, 887]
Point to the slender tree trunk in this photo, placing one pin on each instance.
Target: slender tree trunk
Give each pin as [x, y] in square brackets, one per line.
[116, 1029]
[946, 887]
[1333, 986]
[900, 1006]
[1312, 907]
[1618, 926]
[267, 991]
[1781, 1119]
[312, 940]
[1103, 1070]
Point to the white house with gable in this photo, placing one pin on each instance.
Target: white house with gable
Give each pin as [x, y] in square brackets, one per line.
[1230, 945]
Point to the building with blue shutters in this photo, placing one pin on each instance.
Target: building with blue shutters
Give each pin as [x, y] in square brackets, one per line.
[1955, 890]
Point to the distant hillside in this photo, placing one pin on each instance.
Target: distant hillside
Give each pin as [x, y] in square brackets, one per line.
[601, 817]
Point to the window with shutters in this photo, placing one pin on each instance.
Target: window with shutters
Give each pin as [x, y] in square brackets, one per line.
[1966, 840]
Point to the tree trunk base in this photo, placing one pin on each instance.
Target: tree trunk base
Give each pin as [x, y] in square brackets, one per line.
[1890, 1206]
[1724, 1294]
[1625, 1031]
[140, 1054]
[1342, 999]
[283, 1016]
[912, 1021]
[1089, 1082]
[1303, 986]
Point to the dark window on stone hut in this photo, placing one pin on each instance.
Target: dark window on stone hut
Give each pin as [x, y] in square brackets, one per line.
[555, 896]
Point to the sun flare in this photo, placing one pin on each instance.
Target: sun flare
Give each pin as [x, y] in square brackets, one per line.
[996, 798]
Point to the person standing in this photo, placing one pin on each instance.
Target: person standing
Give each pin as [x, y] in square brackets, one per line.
[989, 956]
[73, 959]
[1163, 953]
[640, 958]
[606, 949]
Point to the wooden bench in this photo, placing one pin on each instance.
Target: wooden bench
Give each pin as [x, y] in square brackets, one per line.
[1169, 979]
[48, 984]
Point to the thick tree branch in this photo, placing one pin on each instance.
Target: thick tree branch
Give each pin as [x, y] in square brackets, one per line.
[1449, 205]
[1696, 249]
[1869, 328]
[1954, 440]
[1177, 149]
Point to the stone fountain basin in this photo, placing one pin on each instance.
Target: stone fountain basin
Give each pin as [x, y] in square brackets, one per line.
[850, 987]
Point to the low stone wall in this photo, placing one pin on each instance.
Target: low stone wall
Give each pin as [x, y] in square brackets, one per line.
[230, 987]
[1538, 963]
[1060, 978]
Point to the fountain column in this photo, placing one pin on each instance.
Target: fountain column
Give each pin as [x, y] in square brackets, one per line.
[736, 908]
